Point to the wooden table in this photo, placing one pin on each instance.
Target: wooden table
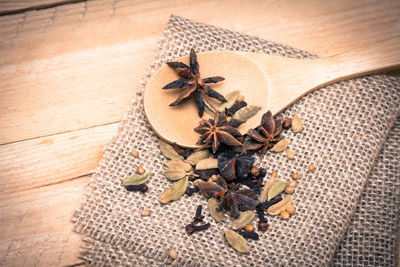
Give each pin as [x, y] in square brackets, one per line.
[68, 70]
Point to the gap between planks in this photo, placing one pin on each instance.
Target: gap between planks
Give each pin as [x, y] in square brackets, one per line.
[12, 7]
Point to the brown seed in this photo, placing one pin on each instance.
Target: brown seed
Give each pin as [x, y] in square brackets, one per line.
[289, 154]
[172, 253]
[274, 173]
[287, 123]
[228, 119]
[297, 124]
[213, 177]
[292, 184]
[295, 176]
[140, 170]
[145, 213]
[285, 215]
[134, 153]
[311, 168]
[289, 190]
[291, 209]
[263, 226]
[254, 171]
[249, 228]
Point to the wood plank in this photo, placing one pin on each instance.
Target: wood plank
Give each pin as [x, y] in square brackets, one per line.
[36, 227]
[17, 6]
[58, 66]
[53, 159]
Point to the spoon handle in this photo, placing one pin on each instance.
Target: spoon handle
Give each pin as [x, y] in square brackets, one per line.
[290, 78]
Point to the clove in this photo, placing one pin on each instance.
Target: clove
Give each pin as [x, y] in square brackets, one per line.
[191, 228]
[198, 217]
[249, 235]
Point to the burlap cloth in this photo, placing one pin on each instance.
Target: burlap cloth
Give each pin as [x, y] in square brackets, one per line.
[345, 127]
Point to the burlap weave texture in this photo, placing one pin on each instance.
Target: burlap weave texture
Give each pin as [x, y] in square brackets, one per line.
[345, 126]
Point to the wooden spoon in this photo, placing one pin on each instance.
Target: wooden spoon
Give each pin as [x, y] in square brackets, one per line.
[272, 82]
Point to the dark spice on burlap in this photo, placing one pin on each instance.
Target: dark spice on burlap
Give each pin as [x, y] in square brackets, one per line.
[345, 126]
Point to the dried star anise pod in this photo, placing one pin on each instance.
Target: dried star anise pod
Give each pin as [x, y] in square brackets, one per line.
[234, 167]
[230, 199]
[217, 131]
[265, 135]
[193, 86]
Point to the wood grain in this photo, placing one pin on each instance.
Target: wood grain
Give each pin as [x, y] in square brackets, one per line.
[17, 6]
[53, 53]
[36, 225]
[48, 160]
[71, 71]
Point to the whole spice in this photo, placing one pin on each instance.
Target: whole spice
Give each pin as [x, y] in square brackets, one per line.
[177, 169]
[136, 179]
[289, 154]
[249, 235]
[285, 215]
[287, 123]
[197, 156]
[168, 151]
[193, 86]
[276, 189]
[205, 164]
[213, 209]
[292, 184]
[191, 228]
[142, 188]
[262, 223]
[134, 153]
[295, 176]
[264, 193]
[311, 167]
[175, 191]
[280, 146]
[249, 228]
[297, 124]
[245, 113]
[198, 217]
[254, 171]
[217, 131]
[173, 254]
[236, 241]
[145, 213]
[281, 205]
[289, 190]
[140, 170]
[244, 219]
[291, 209]
[265, 135]
[230, 101]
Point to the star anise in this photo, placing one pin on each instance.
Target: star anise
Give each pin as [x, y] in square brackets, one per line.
[265, 135]
[234, 200]
[193, 86]
[217, 131]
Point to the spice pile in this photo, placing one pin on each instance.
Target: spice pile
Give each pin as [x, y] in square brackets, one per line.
[223, 168]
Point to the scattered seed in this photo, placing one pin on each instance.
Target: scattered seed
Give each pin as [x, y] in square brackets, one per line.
[197, 156]
[244, 219]
[172, 253]
[267, 186]
[140, 170]
[136, 179]
[142, 188]
[285, 215]
[287, 123]
[168, 151]
[291, 209]
[281, 205]
[205, 164]
[245, 113]
[295, 176]
[297, 124]
[212, 205]
[230, 100]
[145, 213]
[280, 146]
[236, 241]
[249, 228]
[289, 190]
[249, 235]
[276, 189]
[292, 184]
[311, 168]
[263, 226]
[134, 153]
[289, 154]
[175, 191]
